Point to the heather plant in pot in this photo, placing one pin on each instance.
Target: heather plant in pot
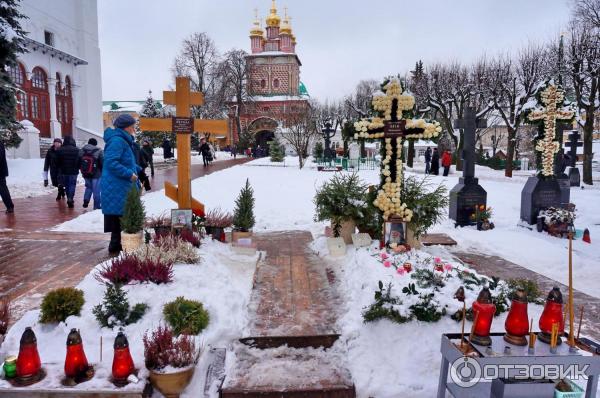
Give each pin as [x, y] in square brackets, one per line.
[170, 359]
[161, 224]
[342, 201]
[216, 221]
[132, 221]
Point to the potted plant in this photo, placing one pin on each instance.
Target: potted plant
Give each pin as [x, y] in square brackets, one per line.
[243, 215]
[132, 221]
[161, 224]
[217, 220]
[171, 360]
[371, 222]
[482, 217]
[341, 200]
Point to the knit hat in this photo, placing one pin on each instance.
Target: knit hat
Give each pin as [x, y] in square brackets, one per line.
[57, 140]
[92, 141]
[123, 121]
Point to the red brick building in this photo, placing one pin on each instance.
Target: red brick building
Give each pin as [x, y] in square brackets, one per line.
[274, 83]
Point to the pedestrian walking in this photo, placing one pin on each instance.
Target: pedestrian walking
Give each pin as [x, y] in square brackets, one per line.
[92, 159]
[427, 160]
[4, 192]
[147, 148]
[167, 149]
[446, 162]
[234, 151]
[141, 158]
[119, 175]
[51, 166]
[435, 162]
[205, 151]
[213, 153]
[68, 165]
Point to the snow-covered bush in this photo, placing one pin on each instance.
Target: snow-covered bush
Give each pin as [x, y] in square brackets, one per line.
[186, 316]
[61, 303]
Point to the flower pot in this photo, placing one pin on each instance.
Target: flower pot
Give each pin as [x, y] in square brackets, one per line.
[411, 239]
[235, 235]
[131, 242]
[208, 229]
[218, 233]
[347, 228]
[479, 225]
[171, 384]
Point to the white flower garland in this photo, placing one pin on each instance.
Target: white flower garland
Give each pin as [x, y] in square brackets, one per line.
[551, 97]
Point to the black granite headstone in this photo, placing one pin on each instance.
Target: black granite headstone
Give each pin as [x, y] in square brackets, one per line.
[467, 194]
[539, 194]
[573, 144]
[565, 189]
[574, 177]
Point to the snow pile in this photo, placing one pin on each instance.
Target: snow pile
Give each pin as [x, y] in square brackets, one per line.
[222, 282]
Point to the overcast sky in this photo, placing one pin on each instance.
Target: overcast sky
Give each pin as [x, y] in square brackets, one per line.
[339, 41]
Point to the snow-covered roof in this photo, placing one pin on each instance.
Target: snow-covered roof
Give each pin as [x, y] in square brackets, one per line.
[125, 106]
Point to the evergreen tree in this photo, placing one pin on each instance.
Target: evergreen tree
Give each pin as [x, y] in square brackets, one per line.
[243, 217]
[11, 44]
[275, 150]
[152, 109]
[133, 213]
[115, 309]
[318, 150]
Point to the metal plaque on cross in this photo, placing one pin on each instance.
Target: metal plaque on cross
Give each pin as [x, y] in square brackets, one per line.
[394, 129]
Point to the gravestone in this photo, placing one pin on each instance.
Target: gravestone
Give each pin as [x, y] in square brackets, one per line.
[564, 182]
[354, 151]
[467, 194]
[539, 194]
[573, 144]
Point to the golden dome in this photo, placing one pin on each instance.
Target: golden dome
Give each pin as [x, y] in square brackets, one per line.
[286, 26]
[256, 29]
[273, 19]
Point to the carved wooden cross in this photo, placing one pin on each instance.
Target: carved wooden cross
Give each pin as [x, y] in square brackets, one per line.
[183, 125]
[392, 129]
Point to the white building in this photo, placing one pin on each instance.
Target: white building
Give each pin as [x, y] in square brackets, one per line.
[59, 76]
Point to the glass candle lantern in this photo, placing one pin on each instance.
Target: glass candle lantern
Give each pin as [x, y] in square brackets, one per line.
[10, 366]
[28, 360]
[552, 314]
[483, 314]
[76, 363]
[122, 365]
[517, 321]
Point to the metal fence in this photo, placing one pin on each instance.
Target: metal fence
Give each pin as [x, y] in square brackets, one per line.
[350, 164]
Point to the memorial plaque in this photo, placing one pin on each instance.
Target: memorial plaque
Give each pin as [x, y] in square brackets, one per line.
[336, 246]
[183, 125]
[394, 129]
[361, 240]
[539, 194]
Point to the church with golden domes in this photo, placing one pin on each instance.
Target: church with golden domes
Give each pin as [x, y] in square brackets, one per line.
[274, 79]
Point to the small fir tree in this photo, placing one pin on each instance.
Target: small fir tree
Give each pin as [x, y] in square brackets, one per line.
[318, 150]
[275, 150]
[11, 44]
[243, 218]
[115, 311]
[134, 214]
[152, 109]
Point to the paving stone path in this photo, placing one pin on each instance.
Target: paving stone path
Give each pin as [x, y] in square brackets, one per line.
[293, 314]
[497, 266]
[35, 260]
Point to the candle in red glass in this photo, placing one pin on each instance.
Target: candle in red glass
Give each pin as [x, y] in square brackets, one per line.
[483, 313]
[517, 321]
[552, 314]
[76, 363]
[122, 365]
[28, 361]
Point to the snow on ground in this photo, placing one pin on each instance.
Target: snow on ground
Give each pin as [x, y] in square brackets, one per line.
[222, 282]
[25, 178]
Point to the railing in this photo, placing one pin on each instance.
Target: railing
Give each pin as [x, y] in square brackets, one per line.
[349, 164]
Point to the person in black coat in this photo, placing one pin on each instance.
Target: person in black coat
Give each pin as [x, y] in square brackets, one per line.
[205, 151]
[69, 161]
[51, 164]
[427, 160]
[167, 149]
[147, 148]
[4, 192]
[435, 162]
[142, 159]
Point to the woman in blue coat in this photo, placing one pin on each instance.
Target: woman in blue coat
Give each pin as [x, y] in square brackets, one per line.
[119, 174]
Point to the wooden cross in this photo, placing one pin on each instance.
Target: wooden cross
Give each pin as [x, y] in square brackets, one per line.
[183, 125]
[392, 129]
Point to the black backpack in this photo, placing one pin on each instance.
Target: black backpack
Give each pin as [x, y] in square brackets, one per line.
[89, 164]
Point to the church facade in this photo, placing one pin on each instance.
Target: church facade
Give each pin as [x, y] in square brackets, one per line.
[58, 77]
[274, 84]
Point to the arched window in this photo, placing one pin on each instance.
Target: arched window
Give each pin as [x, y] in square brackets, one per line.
[276, 83]
[17, 76]
[38, 79]
[68, 86]
[263, 83]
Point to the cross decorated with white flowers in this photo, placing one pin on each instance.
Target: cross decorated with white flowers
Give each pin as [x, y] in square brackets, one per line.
[552, 97]
[392, 128]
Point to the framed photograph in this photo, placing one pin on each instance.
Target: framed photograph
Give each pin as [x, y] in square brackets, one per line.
[181, 219]
[395, 232]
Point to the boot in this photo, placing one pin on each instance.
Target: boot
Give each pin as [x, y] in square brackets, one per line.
[86, 203]
[70, 204]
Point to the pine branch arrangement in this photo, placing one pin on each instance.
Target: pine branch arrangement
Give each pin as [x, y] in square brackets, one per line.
[276, 151]
[243, 217]
[134, 214]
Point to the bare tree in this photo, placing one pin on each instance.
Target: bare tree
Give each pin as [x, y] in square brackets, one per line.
[587, 12]
[234, 73]
[583, 60]
[362, 97]
[512, 84]
[300, 130]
